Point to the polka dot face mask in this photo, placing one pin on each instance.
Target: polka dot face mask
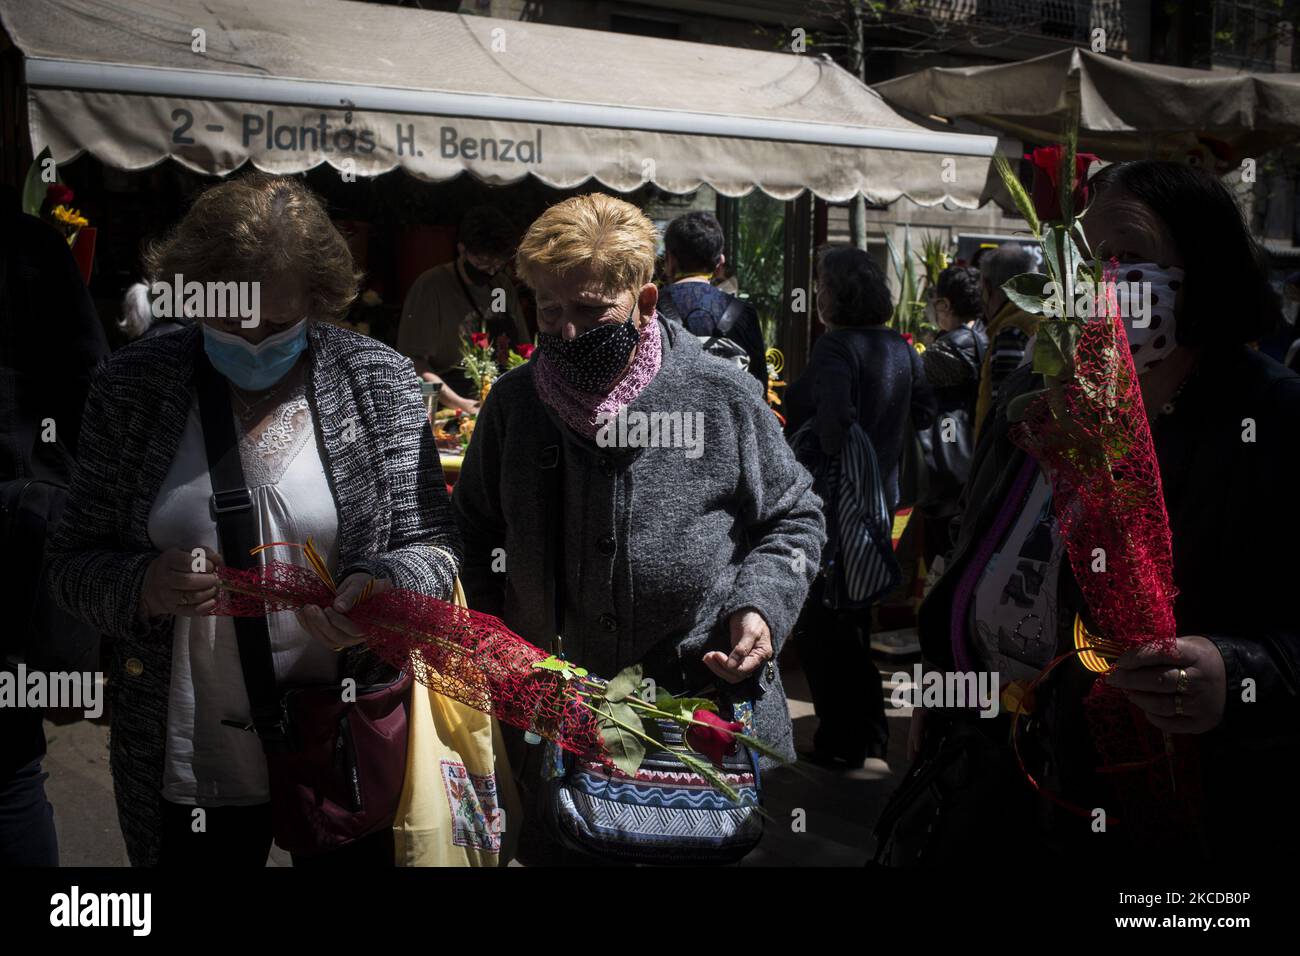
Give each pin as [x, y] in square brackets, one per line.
[591, 361]
[1149, 316]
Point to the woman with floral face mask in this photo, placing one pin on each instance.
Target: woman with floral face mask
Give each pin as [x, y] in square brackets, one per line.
[1225, 422]
[681, 530]
[335, 447]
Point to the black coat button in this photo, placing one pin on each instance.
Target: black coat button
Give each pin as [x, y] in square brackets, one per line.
[606, 545]
[609, 622]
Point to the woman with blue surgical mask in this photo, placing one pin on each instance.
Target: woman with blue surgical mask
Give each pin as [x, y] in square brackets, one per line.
[335, 448]
[1225, 424]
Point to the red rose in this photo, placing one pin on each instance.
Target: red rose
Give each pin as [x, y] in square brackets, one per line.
[525, 350]
[479, 339]
[1046, 189]
[907, 337]
[59, 194]
[716, 740]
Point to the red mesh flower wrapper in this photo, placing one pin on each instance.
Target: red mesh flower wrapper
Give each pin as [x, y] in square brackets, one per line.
[1090, 434]
[470, 657]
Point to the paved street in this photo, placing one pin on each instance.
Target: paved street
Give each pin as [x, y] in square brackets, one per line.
[838, 812]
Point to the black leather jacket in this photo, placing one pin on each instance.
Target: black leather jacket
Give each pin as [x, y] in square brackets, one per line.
[1232, 511]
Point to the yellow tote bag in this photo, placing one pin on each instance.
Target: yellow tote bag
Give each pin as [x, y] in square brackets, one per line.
[459, 806]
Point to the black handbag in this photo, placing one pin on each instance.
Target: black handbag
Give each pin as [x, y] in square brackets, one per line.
[335, 762]
[947, 448]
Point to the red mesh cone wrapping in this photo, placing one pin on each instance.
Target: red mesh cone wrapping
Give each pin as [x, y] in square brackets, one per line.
[470, 657]
[1093, 441]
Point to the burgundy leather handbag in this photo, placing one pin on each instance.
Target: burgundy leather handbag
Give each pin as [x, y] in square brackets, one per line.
[335, 754]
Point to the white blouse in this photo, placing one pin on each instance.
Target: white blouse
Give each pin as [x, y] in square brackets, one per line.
[209, 763]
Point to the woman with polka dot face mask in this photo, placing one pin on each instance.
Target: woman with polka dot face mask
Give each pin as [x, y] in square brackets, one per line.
[1150, 319]
[1224, 424]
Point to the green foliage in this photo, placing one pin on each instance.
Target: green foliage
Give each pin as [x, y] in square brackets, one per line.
[683, 708]
[1019, 196]
[621, 735]
[624, 684]
[759, 257]
[34, 187]
[914, 285]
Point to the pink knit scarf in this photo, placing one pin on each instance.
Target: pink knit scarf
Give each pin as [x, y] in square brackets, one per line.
[585, 411]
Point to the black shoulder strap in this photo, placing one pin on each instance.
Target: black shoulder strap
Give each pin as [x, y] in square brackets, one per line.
[231, 507]
[668, 308]
[735, 308]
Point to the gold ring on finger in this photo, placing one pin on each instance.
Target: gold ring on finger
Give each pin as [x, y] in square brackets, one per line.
[1181, 686]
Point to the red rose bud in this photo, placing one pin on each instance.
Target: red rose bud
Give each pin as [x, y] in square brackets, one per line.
[59, 194]
[716, 740]
[907, 337]
[480, 340]
[525, 350]
[1046, 188]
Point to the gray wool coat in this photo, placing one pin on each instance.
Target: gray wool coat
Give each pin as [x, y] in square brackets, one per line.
[660, 547]
[379, 456]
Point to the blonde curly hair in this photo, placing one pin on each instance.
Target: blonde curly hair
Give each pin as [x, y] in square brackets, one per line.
[611, 237]
[260, 228]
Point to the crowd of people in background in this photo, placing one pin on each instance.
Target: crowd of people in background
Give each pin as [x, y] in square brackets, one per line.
[682, 563]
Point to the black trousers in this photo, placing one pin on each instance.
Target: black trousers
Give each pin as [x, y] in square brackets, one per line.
[241, 837]
[835, 649]
[27, 836]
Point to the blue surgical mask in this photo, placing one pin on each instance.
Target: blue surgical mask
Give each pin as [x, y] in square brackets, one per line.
[255, 367]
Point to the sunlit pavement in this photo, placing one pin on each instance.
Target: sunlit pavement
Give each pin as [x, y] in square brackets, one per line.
[836, 817]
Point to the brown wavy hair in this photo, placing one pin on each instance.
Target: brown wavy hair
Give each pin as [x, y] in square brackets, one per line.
[260, 228]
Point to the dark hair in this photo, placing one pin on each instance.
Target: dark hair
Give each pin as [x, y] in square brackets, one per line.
[695, 240]
[486, 230]
[960, 285]
[1227, 298]
[858, 290]
[998, 266]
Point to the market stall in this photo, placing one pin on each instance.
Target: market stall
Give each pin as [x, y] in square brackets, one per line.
[303, 85]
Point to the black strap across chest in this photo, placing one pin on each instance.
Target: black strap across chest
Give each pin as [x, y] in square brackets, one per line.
[231, 507]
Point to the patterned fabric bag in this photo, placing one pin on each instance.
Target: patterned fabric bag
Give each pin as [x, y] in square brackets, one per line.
[666, 815]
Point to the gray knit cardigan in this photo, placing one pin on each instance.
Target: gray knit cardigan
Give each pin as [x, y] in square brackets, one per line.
[379, 456]
[661, 546]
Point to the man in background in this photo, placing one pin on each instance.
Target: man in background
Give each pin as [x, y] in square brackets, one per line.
[452, 301]
[692, 257]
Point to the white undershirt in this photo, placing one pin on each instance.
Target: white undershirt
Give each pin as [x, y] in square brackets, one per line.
[207, 762]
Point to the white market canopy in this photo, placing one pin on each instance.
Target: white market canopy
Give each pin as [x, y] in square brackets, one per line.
[1127, 110]
[291, 84]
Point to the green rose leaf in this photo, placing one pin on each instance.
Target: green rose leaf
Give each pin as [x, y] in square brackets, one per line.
[1018, 407]
[624, 684]
[1028, 291]
[683, 708]
[624, 748]
[1055, 345]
